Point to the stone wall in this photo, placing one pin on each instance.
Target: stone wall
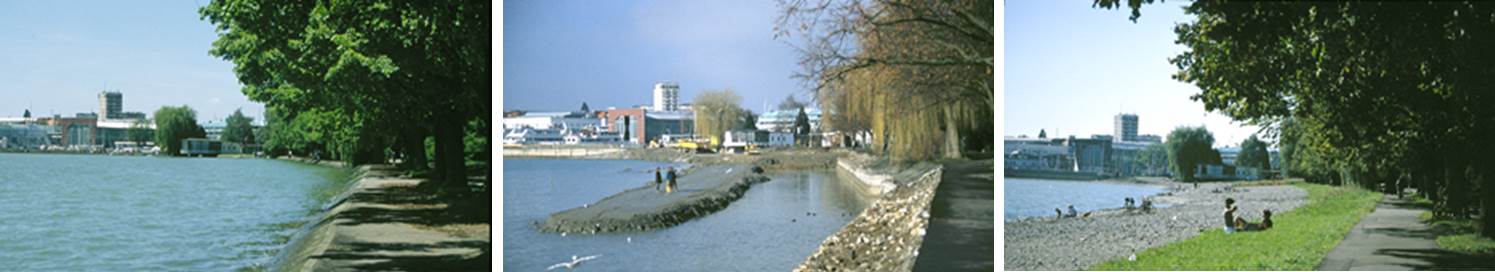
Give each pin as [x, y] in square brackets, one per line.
[885, 236]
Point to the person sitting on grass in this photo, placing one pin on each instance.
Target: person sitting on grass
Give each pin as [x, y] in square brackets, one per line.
[1266, 223]
[1230, 217]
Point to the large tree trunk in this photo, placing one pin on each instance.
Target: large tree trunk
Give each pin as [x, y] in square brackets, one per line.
[1487, 200]
[449, 161]
[1455, 186]
[413, 146]
[952, 133]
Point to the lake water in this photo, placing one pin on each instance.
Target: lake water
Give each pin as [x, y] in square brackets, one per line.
[765, 230]
[1027, 197]
[91, 212]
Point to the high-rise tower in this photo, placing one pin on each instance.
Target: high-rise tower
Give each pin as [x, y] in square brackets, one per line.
[666, 96]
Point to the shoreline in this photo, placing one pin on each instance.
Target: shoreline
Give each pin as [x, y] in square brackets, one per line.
[383, 221]
[887, 234]
[1046, 243]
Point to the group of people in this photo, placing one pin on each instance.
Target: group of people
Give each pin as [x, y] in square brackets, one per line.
[661, 181]
[1132, 203]
[1072, 213]
[1235, 223]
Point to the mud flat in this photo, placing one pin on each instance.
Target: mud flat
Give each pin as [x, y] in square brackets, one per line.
[702, 190]
[886, 236]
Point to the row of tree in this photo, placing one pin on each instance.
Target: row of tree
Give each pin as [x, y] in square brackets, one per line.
[915, 75]
[1370, 94]
[356, 80]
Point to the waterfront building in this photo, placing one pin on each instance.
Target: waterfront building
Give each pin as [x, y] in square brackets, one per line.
[666, 97]
[641, 127]
[780, 139]
[24, 135]
[783, 120]
[110, 104]
[552, 120]
[1091, 155]
[1024, 153]
[214, 129]
[1126, 127]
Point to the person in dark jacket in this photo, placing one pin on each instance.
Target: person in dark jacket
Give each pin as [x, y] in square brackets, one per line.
[670, 176]
[657, 179]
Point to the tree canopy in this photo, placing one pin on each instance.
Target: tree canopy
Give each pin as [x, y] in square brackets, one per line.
[370, 74]
[914, 74]
[1253, 154]
[1188, 148]
[238, 128]
[174, 124]
[716, 112]
[1363, 93]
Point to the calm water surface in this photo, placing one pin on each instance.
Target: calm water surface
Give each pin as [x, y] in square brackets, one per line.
[1027, 197]
[766, 230]
[90, 212]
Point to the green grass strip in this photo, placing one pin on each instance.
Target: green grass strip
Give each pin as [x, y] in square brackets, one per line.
[1299, 240]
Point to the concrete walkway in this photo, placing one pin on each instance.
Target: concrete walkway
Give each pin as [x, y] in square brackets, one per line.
[1393, 238]
[961, 222]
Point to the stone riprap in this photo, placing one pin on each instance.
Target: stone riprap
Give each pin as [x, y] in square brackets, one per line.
[702, 190]
[885, 236]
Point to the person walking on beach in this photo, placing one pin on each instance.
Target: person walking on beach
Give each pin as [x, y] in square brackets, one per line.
[657, 179]
[668, 188]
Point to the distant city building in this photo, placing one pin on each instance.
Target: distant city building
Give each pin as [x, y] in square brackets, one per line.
[1126, 127]
[642, 127]
[783, 120]
[666, 97]
[110, 104]
[552, 120]
[1151, 138]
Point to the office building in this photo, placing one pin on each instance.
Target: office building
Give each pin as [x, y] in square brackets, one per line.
[1126, 127]
[666, 97]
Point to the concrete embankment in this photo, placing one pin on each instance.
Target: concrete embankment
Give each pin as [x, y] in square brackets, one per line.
[383, 221]
[701, 191]
[886, 236]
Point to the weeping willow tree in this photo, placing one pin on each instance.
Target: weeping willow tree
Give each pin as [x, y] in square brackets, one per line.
[914, 74]
[717, 112]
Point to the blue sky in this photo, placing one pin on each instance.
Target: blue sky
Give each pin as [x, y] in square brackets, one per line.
[56, 56]
[559, 54]
[1071, 68]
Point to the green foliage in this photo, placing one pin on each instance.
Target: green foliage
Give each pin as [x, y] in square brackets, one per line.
[239, 128]
[174, 124]
[1253, 154]
[140, 132]
[1153, 159]
[801, 123]
[1468, 243]
[1189, 147]
[1298, 240]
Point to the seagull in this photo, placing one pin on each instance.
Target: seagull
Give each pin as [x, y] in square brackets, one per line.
[729, 170]
[573, 263]
[630, 240]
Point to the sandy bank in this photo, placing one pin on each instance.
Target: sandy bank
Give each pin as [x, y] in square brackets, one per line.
[1046, 243]
[386, 222]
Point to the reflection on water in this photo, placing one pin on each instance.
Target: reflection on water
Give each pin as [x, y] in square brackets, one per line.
[773, 227]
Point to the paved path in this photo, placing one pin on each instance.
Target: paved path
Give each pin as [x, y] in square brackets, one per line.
[1393, 238]
[961, 223]
[701, 191]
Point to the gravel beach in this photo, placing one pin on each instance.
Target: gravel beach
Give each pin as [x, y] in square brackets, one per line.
[1044, 243]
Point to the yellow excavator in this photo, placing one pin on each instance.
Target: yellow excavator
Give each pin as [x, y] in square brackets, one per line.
[698, 145]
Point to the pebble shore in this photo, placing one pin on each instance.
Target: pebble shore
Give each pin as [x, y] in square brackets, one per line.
[1047, 243]
[886, 236]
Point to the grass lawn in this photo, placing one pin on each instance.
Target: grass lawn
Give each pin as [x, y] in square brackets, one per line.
[1298, 241]
[1459, 235]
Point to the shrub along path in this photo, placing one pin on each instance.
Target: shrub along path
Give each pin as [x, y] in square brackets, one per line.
[1393, 237]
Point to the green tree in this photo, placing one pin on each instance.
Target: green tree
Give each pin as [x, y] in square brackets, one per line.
[1363, 110]
[394, 72]
[1042, 134]
[174, 124]
[1153, 159]
[239, 128]
[1253, 154]
[139, 132]
[1189, 147]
